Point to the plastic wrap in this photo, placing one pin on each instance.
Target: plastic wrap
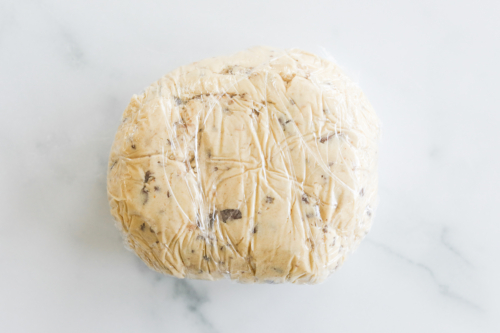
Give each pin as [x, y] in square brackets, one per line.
[259, 167]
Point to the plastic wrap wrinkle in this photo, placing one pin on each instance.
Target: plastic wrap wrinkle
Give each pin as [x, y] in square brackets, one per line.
[259, 167]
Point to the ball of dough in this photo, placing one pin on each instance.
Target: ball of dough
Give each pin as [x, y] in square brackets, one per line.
[259, 167]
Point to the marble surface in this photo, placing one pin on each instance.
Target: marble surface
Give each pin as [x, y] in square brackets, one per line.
[430, 68]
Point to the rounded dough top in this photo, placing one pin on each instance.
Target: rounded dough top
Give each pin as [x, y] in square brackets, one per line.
[259, 167]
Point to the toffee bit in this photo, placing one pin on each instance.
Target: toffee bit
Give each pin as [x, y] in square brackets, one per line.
[143, 226]
[305, 198]
[230, 214]
[269, 199]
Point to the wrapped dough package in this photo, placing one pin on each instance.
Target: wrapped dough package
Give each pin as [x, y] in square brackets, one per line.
[258, 167]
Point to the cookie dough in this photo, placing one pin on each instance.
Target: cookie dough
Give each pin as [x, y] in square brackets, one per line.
[259, 167]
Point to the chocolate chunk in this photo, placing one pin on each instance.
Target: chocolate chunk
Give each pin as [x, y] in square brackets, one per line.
[230, 214]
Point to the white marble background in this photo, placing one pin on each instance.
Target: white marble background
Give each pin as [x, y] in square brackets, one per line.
[431, 70]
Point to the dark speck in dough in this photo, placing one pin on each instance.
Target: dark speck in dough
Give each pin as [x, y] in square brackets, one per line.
[305, 198]
[269, 199]
[145, 193]
[147, 176]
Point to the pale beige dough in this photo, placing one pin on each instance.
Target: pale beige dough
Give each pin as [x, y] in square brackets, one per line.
[259, 167]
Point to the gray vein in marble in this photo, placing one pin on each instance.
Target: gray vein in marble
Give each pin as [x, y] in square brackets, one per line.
[446, 243]
[194, 300]
[443, 288]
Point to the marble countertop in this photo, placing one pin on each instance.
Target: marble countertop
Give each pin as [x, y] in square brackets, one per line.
[431, 260]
